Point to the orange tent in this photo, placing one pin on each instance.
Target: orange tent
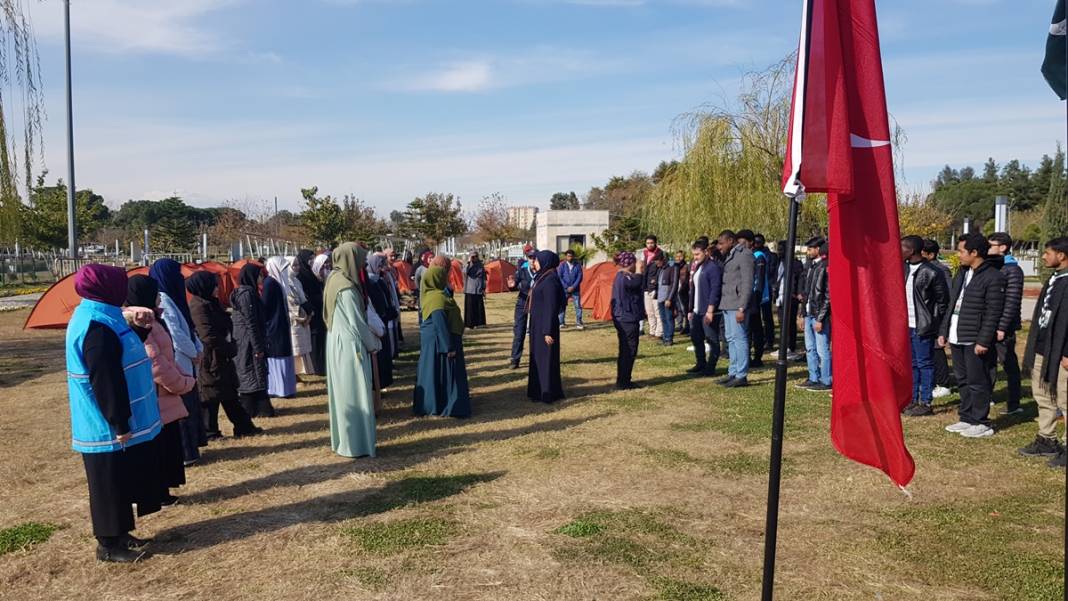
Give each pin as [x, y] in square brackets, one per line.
[456, 277]
[404, 276]
[497, 273]
[597, 289]
[54, 308]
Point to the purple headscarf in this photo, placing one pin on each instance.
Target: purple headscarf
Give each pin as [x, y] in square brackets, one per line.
[626, 259]
[101, 283]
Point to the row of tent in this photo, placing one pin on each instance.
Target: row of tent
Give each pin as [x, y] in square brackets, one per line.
[53, 310]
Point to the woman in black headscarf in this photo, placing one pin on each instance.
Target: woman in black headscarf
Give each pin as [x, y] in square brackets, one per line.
[378, 294]
[543, 306]
[313, 291]
[250, 336]
[217, 376]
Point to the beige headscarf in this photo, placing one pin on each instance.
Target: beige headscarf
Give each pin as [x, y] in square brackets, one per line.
[350, 260]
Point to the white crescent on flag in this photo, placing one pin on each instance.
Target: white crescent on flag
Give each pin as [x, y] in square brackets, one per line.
[858, 142]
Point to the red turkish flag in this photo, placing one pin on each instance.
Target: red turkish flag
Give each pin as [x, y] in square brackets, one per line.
[839, 143]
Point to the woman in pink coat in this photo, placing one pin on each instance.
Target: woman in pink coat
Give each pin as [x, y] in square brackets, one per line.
[141, 312]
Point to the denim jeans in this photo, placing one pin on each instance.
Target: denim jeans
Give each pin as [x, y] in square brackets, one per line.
[577, 301]
[738, 344]
[668, 321]
[818, 351]
[923, 349]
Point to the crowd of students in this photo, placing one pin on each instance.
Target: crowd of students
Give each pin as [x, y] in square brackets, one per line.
[727, 296]
[151, 359]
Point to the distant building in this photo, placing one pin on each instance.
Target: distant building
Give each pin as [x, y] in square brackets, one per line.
[559, 230]
[522, 217]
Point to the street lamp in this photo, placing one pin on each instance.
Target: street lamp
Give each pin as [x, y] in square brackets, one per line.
[72, 226]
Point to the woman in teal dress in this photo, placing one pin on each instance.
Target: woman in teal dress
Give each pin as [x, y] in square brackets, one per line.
[441, 382]
[349, 346]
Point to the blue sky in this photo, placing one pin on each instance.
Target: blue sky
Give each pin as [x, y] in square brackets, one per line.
[242, 100]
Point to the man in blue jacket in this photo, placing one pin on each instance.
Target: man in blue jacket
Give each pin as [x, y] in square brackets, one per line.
[570, 272]
[523, 278]
[706, 285]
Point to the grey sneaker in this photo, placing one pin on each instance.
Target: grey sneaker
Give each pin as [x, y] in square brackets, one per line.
[958, 427]
[1042, 447]
[977, 431]
[1059, 461]
[918, 410]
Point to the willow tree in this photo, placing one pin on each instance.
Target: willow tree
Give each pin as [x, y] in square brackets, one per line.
[21, 112]
[730, 174]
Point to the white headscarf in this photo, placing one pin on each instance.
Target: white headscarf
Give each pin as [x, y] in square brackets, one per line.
[279, 269]
[318, 264]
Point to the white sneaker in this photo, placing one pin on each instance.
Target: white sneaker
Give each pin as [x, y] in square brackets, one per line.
[580, 327]
[958, 427]
[941, 391]
[977, 431]
[690, 348]
[708, 348]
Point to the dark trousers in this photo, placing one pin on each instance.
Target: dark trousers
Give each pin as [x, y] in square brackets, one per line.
[942, 375]
[234, 412]
[791, 326]
[257, 404]
[699, 334]
[628, 333]
[194, 435]
[519, 331]
[974, 382]
[923, 349]
[767, 313]
[682, 323]
[1011, 364]
[756, 333]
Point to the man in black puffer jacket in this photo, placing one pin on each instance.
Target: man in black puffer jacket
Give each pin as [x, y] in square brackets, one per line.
[970, 328]
[1009, 324]
[927, 299]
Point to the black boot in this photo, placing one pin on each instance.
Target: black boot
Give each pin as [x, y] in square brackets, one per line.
[119, 554]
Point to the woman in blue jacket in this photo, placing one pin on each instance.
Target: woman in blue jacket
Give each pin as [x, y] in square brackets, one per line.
[114, 412]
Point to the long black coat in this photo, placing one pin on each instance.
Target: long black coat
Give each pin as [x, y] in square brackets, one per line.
[217, 376]
[543, 378]
[250, 337]
[378, 293]
[276, 317]
[313, 290]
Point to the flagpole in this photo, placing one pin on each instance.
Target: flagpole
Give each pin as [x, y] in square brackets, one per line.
[72, 222]
[771, 528]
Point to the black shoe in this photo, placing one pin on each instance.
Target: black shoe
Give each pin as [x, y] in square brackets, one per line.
[1042, 447]
[918, 410]
[725, 381]
[696, 369]
[807, 384]
[216, 435]
[628, 386]
[737, 383]
[666, 343]
[513, 365]
[133, 543]
[756, 363]
[168, 501]
[1059, 461]
[817, 387]
[255, 430]
[119, 554]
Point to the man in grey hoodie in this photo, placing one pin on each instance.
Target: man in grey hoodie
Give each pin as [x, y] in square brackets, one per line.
[734, 303]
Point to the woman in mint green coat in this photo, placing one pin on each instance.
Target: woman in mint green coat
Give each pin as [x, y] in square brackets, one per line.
[349, 347]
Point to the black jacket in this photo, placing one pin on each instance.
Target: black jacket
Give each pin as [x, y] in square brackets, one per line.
[930, 298]
[217, 375]
[1056, 346]
[981, 307]
[250, 336]
[1014, 284]
[816, 294]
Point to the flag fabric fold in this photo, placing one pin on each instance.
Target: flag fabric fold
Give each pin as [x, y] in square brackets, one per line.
[839, 143]
[1055, 65]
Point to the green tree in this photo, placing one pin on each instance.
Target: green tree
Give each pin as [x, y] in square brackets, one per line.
[322, 217]
[434, 218]
[1055, 219]
[991, 171]
[491, 222]
[564, 201]
[361, 223]
[625, 234]
[664, 170]
[44, 221]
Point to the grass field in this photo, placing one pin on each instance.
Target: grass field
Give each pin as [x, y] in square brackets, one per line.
[657, 493]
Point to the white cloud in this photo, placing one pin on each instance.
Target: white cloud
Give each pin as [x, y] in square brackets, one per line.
[173, 27]
[464, 76]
